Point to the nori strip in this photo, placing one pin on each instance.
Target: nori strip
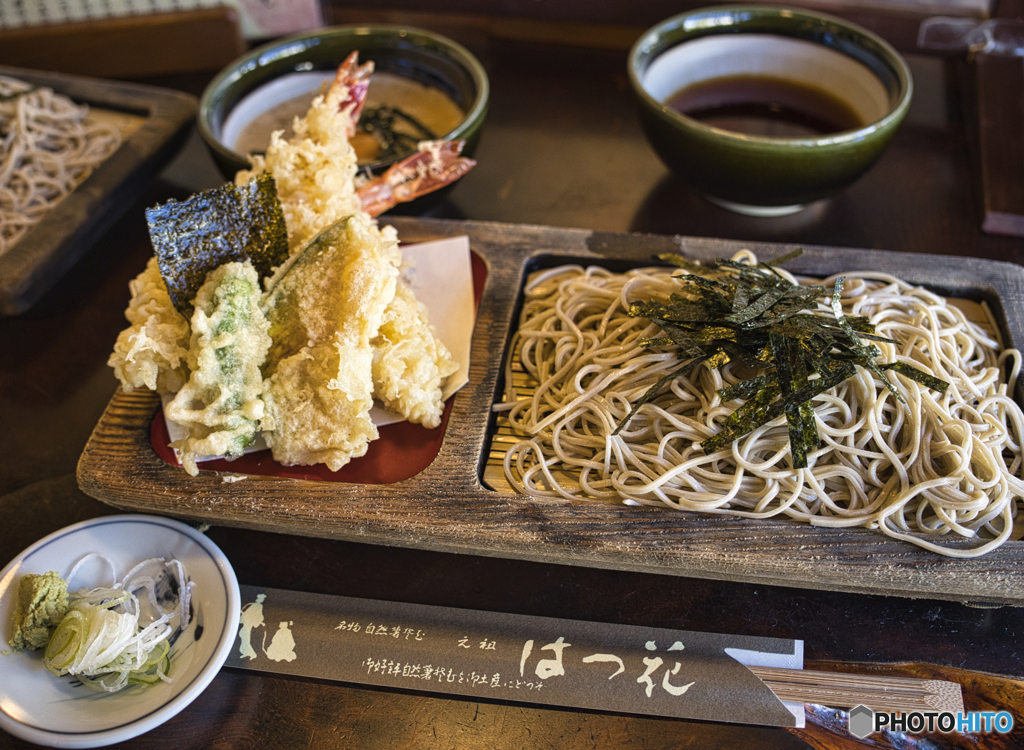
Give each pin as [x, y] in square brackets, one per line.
[381, 122]
[919, 376]
[761, 409]
[783, 259]
[791, 372]
[754, 412]
[754, 314]
[866, 354]
[759, 306]
[747, 388]
[681, 261]
[653, 390]
[193, 237]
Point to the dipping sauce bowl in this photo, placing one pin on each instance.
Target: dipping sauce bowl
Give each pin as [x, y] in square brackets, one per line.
[421, 73]
[766, 109]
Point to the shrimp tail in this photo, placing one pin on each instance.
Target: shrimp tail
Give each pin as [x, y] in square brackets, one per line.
[356, 78]
[435, 165]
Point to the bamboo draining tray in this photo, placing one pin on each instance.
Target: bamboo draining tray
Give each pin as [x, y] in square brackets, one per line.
[447, 507]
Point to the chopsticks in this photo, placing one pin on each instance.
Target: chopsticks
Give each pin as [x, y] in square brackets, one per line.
[879, 693]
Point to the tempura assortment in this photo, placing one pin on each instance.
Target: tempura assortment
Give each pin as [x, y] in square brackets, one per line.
[276, 305]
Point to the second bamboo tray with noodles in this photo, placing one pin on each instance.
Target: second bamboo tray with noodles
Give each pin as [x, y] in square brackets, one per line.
[456, 503]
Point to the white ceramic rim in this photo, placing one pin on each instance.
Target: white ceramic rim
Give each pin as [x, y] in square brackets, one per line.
[268, 96]
[747, 209]
[798, 60]
[225, 642]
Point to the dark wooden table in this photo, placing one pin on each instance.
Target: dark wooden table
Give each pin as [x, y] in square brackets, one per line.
[562, 147]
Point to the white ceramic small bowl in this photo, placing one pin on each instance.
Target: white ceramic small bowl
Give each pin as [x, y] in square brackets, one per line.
[47, 710]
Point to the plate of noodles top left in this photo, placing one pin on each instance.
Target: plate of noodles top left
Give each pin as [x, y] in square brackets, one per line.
[150, 125]
[61, 712]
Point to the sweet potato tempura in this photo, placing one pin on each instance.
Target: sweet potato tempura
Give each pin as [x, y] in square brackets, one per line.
[324, 308]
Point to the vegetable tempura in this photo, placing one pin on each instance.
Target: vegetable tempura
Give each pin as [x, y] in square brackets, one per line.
[153, 352]
[220, 406]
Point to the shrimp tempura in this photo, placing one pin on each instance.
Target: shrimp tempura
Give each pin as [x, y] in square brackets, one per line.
[315, 170]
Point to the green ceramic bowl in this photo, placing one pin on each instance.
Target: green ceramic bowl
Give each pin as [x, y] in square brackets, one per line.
[756, 173]
[299, 64]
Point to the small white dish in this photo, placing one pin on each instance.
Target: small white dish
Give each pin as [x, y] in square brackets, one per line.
[47, 710]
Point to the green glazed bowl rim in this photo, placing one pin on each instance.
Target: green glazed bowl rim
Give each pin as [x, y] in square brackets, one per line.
[295, 44]
[799, 24]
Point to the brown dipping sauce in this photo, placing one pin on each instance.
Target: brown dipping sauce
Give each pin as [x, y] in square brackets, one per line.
[765, 106]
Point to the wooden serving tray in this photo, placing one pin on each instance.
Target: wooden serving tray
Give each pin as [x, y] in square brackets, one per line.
[448, 507]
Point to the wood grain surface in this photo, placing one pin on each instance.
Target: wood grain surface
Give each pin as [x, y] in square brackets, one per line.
[827, 728]
[448, 508]
[896, 22]
[1000, 112]
[198, 39]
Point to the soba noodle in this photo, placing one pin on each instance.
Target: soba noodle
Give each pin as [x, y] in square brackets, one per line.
[936, 468]
[46, 150]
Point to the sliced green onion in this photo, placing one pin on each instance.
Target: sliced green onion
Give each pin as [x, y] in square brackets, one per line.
[100, 640]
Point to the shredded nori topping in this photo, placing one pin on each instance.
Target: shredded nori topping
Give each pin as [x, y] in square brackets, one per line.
[193, 237]
[755, 315]
[383, 124]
